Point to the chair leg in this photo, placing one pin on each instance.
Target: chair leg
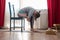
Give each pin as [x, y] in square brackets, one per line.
[14, 25]
[24, 24]
[10, 24]
[21, 26]
[10, 28]
[21, 29]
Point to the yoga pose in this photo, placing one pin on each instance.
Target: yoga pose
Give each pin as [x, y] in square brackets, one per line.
[30, 13]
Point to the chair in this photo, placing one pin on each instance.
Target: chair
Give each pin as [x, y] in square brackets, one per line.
[15, 18]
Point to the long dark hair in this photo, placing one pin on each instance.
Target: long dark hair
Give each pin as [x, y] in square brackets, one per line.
[37, 15]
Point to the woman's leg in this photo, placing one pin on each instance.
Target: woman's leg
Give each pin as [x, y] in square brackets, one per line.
[31, 23]
[22, 15]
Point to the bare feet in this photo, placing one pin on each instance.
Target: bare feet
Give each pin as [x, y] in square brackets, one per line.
[33, 30]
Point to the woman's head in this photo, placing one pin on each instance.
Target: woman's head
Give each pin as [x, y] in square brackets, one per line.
[36, 14]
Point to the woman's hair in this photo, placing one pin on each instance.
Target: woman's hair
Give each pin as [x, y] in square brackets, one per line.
[37, 15]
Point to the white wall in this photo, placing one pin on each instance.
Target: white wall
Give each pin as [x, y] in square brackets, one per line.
[37, 4]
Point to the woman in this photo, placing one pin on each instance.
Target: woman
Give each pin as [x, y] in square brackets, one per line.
[29, 13]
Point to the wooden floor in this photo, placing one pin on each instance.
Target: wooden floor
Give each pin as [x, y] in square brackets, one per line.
[27, 36]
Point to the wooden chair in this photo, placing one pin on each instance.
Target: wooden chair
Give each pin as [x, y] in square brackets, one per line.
[15, 18]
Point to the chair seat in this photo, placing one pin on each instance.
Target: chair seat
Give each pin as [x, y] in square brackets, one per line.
[16, 18]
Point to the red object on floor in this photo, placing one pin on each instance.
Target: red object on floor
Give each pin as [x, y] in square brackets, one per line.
[2, 12]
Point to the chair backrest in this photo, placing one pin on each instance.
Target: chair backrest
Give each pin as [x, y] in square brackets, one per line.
[13, 10]
[11, 7]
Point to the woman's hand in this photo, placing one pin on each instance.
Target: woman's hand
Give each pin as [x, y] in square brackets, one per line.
[28, 19]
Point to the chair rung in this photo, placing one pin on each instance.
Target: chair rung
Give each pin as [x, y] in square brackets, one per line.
[16, 18]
